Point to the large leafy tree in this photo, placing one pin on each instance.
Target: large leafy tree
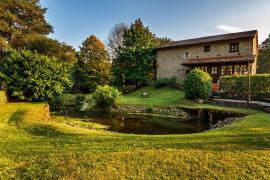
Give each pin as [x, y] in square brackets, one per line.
[134, 61]
[20, 20]
[264, 57]
[52, 48]
[93, 67]
[33, 77]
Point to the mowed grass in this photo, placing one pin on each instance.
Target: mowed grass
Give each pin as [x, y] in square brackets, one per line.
[167, 96]
[40, 148]
[161, 96]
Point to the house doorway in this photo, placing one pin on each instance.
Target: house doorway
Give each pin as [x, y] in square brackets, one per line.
[214, 73]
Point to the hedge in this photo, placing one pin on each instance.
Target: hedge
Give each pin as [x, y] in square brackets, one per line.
[237, 85]
[3, 97]
[173, 82]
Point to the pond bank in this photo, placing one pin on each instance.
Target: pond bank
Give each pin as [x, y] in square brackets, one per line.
[210, 117]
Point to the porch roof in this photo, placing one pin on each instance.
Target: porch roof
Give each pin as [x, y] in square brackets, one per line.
[220, 60]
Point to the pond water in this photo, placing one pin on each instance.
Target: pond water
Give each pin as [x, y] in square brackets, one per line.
[159, 121]
[198, 121]
[143, 124]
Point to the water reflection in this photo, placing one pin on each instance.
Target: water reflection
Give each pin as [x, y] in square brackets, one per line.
[138, 124]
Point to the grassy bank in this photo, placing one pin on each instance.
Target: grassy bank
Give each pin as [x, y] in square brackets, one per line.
[43, 148]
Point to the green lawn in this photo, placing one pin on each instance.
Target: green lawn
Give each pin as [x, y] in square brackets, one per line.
[167, 96]
[32, 146]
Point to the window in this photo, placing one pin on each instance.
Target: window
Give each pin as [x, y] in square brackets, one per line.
[234, 47]
[229, 70]
[244, 69]
[187, 54]
[207, 48]
[204, 68]
[223, 70]
[213, 70]
[237, 69]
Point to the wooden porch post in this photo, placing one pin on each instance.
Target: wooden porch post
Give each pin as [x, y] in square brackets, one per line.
[248, 100]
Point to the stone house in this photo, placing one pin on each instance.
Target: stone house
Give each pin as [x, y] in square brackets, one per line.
[218, 55]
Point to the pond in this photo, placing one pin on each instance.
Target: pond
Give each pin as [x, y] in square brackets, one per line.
[199, 120]
[147, 124]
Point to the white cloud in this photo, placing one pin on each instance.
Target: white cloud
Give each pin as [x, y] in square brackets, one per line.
[229, 29]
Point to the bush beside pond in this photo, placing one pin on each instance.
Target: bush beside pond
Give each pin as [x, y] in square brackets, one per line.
[34, 77]
[198, 84]
[105, 97]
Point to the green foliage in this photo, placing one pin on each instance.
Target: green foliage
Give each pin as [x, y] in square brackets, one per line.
[52, 48]
[105, 97]
[162, 82]
[134, 61]
[3, 97]
[93, 67]
[20, 19]
[163, 40]
[198, 84]
[264, 57]
[34, 77]
[238, 85]
[173, 82]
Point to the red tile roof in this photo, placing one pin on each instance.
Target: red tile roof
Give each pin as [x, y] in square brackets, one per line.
[220, 60]
[208, 39]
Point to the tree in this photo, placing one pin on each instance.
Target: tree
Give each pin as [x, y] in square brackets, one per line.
[163, 40]
[198, 84]
[115, 39]
[264, 57]
[52, 48]
[19, 19]
[134, 61]
[33, 77]
[93, 67]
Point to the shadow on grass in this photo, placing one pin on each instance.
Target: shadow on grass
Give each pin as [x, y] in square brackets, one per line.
[44, 130]
[247, 141]
[17, 117]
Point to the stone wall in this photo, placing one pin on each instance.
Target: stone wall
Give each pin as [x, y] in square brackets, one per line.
[169, 60]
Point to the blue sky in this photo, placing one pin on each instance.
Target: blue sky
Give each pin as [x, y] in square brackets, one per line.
[75, 20]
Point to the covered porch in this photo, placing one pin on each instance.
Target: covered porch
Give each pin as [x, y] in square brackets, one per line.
[221, 66]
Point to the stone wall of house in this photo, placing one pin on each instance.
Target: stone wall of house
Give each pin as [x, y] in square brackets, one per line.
[169, 60]
[256, 52]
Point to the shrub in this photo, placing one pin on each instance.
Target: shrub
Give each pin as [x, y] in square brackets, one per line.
[237, 85]
[3, 97]
[174, 82]
[162, 82]
[105, 97]
[198, 84]
[34, 77]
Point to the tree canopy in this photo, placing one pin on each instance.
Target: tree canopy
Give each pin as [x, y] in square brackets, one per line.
[20, 19]
[134, 61]
[33, 77]
[52, 48]
[264, 57]
[93, 67]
